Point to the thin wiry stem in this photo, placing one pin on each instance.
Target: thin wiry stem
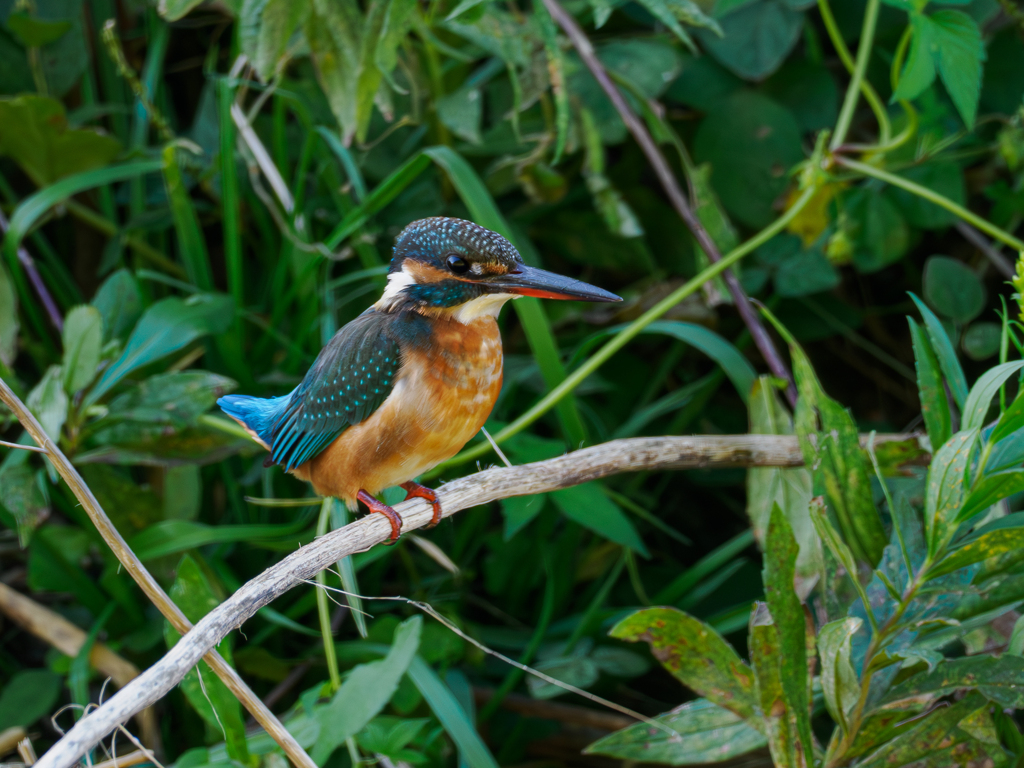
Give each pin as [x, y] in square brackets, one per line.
[675, 194]
[29, 265]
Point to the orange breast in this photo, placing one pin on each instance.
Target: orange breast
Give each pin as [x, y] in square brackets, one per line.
[442, 397]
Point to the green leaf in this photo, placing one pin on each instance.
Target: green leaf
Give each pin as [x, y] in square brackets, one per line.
[120, 303]
[34, 132]
[173, 10]
[997, 678]
[672, 12]
[167, 326]
[171, 536]
[997, 538]
[981, 340]
[961, 734]
[8, 317]
[979, 399]
[953, 288]
[389, 736]
[751, 142]
[880, 233]
[397, 23]
[170, 398]
[577, 671]
[945, 488]
[209, 696]
[452, 716]
[266, 29]
[29, 695]
[696, 655]
[697, 732]
[191, 243]
[590, 507]
[49, 402]
[931, 390]
[366, 691]
[755, 38]
[989, 490]
[766, 655]
[919, 72]
[790, 626]
[35, 33]
[22, 495]
[518, 511]
[943, 348]
[83, 336]
[830, 442]
[34, 207]
[462, 110]
[790, 489]
[839, 681]
[959, 53]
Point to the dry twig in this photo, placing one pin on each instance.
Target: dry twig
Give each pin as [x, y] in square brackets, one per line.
[647, 453]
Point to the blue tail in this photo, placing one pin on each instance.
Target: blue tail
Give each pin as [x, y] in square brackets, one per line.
[257, 413]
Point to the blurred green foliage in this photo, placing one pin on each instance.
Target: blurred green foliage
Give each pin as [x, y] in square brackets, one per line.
[199, 195]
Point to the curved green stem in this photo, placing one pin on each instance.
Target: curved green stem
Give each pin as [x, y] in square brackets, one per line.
[574, 379]
[933, 197]
[857, 70]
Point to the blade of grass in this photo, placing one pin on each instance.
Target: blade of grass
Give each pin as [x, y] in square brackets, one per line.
[322, 608]
[33, 207]
[230, 203]
[347, 571]
[191, 244]
[704, 567]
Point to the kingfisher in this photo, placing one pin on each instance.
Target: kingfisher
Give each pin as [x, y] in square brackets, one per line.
[411, 380]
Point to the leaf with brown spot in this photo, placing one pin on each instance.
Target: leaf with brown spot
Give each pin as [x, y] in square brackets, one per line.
[696, 655]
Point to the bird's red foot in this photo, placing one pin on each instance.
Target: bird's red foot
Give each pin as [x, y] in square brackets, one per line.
[381, 508]
[422, 492]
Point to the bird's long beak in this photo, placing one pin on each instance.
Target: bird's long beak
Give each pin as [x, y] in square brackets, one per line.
[530, 281]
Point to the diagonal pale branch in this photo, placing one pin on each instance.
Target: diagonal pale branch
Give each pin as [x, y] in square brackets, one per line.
[645, 453]
[149, 585]
[643, 138]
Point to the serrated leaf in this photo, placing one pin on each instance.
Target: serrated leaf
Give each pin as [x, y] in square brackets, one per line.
[959, 54]
[919, 72]
[696, 655]
[265, 29]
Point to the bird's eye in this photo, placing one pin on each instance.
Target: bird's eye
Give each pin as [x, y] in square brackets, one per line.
[457, 264]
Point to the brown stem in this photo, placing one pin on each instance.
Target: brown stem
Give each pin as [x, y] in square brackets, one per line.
[675, 194]
[149, 586]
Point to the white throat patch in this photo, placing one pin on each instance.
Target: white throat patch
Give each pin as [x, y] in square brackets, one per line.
[481, 306]
[397, 282]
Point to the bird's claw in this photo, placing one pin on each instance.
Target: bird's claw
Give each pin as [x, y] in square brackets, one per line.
[381, 508]
[415, 490]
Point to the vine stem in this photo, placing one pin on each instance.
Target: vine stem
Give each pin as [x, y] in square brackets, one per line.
[643, 138]
[867, 39]
[634, 329]
[933, 197]
[149, 585]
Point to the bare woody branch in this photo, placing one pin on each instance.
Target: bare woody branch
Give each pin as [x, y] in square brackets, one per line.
[647, 453]
[149, 585]
[643, 138]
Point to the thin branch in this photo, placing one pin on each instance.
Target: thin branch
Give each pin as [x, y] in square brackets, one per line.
[149, 585]
[29, 265]
[57, 631]
[1002, 264]
[675, 194]
[301, 566]
[33, 448]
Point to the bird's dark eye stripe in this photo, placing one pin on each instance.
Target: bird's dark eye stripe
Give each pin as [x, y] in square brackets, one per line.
[457, 264]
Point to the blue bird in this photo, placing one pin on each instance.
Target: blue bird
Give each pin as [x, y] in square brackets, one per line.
[406, 384]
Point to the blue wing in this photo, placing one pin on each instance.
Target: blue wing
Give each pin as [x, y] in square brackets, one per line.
[350, 379]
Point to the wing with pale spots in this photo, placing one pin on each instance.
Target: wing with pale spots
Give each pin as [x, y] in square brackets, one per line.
[350, 379]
